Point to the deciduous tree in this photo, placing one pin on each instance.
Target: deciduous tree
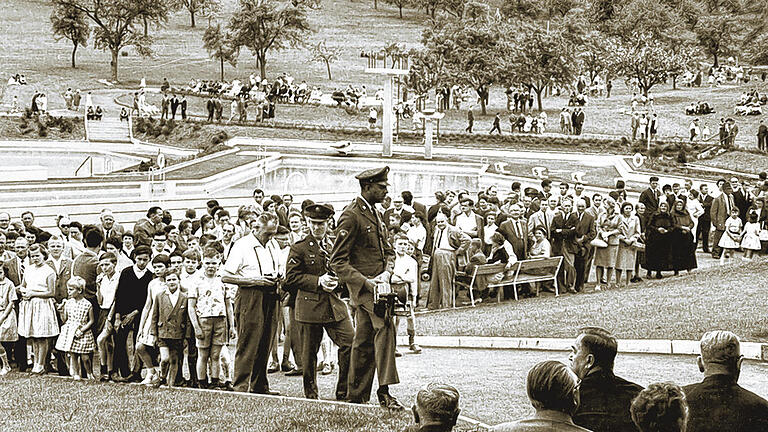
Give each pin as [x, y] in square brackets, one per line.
[324, 54]
[645, 59]
[215, 41]
[197, 7]
[115, 26]
[71, 24]
[264, 26]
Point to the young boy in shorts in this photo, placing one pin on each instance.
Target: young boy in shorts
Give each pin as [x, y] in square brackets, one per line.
[210, 313]
[169, 323]
[406, 275]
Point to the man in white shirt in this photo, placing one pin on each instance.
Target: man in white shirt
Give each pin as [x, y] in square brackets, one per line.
[253, 266]
[467, 221]
[106, 284]
[446, 240]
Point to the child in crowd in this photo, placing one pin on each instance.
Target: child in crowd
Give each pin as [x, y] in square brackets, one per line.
[146, 342]
[211, 315]
[8, 327]
[106, 287]
[168, 327]
[76, 337]
[190, 272]
[751, 239]
[731, 239]
[405, 277]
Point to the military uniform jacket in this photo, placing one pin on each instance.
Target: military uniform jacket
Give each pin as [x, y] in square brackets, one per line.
[361, 249]
[306, 263]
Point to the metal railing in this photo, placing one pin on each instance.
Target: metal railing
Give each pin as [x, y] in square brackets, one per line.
[88, 159]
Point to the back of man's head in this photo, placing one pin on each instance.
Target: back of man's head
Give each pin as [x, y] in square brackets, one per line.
[438, 404]
[601, 344]
[551, 386]
[720, 352]
[92, 236]
[660, 408]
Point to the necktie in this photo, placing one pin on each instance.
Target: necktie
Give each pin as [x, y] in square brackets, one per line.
[21, 269]
[546, 224]
[517, 229]
[438, 239]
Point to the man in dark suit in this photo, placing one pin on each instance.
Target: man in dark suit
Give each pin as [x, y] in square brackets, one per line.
[359, 259]
[164, 105]
[397, 208]
[16, 267]
[563, 233]
[146, 228]
[705, 220]
[210, 106]
[109, 227]
[219, 108]
[183, 107]
[719, 403]
[585, 233]
[720, 212]
[174, 106]
[762, 136]
[318, 305]
[650, 197]
[28, 219]
[604, 398]
[741, 198]
[515, 230]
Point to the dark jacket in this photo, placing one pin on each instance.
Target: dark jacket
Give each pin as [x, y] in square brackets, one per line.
[307, 261]
[566, 237]
[605, 402]
[719, 404]
[650, 201]
[520, 244]
[706, 203]
[169, 321]
[361, 249]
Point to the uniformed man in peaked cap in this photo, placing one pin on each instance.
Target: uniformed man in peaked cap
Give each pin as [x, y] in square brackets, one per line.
[359, 258]
[318, 305]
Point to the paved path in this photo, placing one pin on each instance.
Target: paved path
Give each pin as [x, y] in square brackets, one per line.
[492, 382]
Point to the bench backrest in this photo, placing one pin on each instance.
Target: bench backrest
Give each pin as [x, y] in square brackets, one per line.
[540, 263]
[489, 269]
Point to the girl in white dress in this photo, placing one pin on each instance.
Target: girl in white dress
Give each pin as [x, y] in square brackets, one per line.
[731, 239]
[751, 240]
[76, 337]
[37, 310]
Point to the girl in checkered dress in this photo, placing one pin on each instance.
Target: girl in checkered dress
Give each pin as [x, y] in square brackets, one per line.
[75, 337]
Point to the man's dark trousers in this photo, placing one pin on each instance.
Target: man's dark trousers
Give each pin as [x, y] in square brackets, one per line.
[255, 310]
[342, 334]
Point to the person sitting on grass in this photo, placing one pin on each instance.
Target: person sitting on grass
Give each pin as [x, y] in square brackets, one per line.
[660, 408]
[436, 409]
[210, 312]
[604, 397]
[553, 390]
[719, 403]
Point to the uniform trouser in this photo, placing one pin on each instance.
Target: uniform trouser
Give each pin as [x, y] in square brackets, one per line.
[702, 231]
[255, 329]
[373, 351]
[342, 334]
[441, 282]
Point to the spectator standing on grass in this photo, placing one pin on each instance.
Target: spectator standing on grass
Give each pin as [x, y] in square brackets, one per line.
[553, 390]
[496, 124]
[164, 105]
[436, 409]
[720, 212]
[660, 408]
[762, 136]
[470, 119]
[373, 114]
[604, 398]
[37, 311]
[719, 403]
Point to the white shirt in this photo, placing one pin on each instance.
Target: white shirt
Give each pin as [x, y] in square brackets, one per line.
[443, 239]
[107, 288]
[466, 222]
[408, 270]
[418, 235]
[139, 273]
[248, 258]
[174, 296]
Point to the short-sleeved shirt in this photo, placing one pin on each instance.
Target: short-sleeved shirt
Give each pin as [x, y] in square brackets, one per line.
[211, 296]
[107, 288]
[249, 258]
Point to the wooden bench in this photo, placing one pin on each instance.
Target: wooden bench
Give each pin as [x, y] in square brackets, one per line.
[521, 272]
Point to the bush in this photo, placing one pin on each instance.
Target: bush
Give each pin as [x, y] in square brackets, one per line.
[42, 130]
[682, 157]
[165, 130]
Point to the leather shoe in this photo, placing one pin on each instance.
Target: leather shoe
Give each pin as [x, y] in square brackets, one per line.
[294, 372]
[268, 392]
[389, 402]
[273, 368]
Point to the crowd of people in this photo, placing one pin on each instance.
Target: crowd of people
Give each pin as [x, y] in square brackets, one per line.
[218, 293]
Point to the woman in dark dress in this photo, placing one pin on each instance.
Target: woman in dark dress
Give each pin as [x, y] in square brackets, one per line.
[640, 212]
[682, 252]
[658, 238]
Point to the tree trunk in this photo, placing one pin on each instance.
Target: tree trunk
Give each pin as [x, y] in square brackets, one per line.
[375, 4]
[192, 18]
[538, 96]
[263, 66]
[481, 96]
[74, 50]
[146, 27]
[222, 68]
[401, 10]
[113, 63]
[716, 63]
[674, 82]
[328, 67]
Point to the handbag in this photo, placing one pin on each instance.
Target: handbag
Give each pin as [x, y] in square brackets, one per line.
[598, 243]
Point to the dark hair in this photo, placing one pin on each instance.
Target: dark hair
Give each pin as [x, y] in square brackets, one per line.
[206, 238]
[141, 250]
[615, 195]
[407, 197]
[191, 254]
[204, 221]
[167, 217]
[162, 233]
[544, 183]
[152, 210]
[601, 344]
[93, 236]
[653, 179]
[497, 238]
[184, 224]
[440, 196]
[257, 190]
[27, 212]
[659, 408]
[11, 235]
[37, 246]
[162, 258]
[78, 225]
[168, 228]
[115, 241]
[110, 256]
[440, 403]
[211, 253]
[127, 234]
[190, 214]
[212, 204]
[550, 386]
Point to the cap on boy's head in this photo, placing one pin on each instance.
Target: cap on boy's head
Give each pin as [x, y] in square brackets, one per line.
[619, 184]
[653, 179]
[374, 175]
[318, 212]
[529, 191]
[466, 199]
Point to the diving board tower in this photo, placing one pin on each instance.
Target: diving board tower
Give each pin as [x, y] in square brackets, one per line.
[389, 67]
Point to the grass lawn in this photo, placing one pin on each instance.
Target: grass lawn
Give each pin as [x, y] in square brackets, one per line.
[739, 161]
[352, 26]
[40, 403]
[684, 307]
